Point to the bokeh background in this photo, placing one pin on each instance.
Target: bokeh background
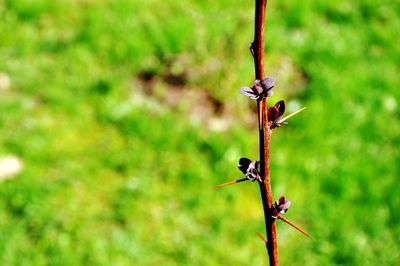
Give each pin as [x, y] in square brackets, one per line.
[117, 118]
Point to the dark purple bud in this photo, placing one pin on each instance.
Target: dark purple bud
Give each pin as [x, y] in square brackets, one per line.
[249, 168]
[260, 90]
[275, 112]
[282, 205]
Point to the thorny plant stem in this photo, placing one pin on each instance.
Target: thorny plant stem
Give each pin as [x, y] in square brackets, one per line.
[257, 49]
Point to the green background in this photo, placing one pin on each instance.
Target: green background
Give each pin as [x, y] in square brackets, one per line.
[126, 113]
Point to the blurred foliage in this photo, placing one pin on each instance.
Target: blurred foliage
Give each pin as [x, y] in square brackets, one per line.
[105, 110]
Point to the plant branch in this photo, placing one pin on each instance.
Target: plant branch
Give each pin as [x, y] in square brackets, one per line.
[257, 48]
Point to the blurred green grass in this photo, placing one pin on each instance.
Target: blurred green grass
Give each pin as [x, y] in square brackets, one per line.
[105, 111]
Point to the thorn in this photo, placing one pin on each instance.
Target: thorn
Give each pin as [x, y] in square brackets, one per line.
[231, 182]
[289, 116]
[262, 237]
[293, 225]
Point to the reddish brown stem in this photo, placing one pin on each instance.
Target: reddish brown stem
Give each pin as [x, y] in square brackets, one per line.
[257, 48]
